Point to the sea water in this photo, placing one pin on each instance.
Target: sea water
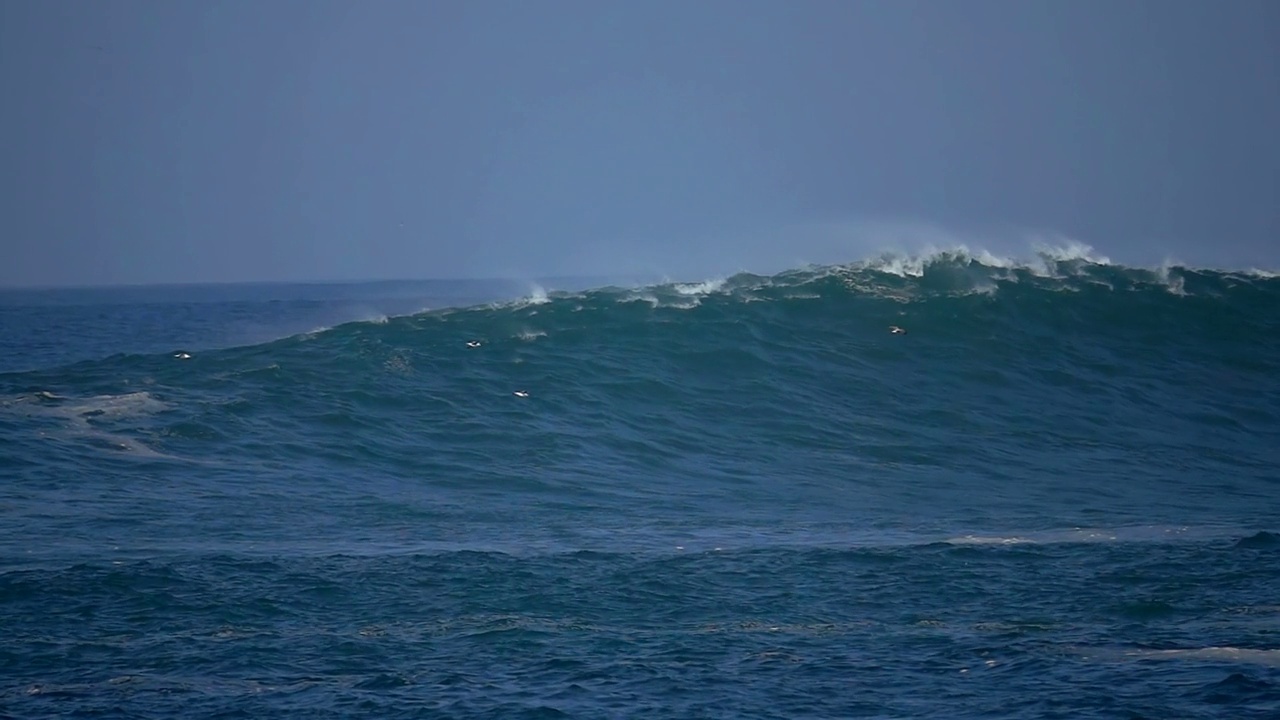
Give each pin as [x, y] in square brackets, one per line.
[1055, 495]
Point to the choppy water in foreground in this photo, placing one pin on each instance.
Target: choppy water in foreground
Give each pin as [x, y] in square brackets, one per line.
[1054, 496]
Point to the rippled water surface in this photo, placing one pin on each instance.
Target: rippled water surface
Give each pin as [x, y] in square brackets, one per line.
[1053, 496]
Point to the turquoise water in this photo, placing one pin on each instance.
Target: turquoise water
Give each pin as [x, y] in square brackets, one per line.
[1055, 495]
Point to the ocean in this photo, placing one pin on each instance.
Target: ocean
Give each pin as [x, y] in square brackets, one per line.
[1054, 494]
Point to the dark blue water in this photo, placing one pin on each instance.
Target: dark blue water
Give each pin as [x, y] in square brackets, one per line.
[1055, 495]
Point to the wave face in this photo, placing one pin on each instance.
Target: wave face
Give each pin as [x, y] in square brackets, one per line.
[676, 499]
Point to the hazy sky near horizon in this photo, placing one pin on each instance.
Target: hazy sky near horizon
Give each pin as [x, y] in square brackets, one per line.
[167, 142]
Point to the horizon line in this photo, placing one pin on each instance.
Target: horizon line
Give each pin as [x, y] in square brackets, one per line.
[348, 281]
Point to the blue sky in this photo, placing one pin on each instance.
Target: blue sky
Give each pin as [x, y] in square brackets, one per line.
[168, 142]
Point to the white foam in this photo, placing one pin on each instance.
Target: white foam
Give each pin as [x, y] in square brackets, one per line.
[1071, 251]
[78, 414]
[537, 296]
[988, 540]
[1265, 656]
[1047, 260]
[127, 404]
[902, 265]
[1154, 533]
[705, 287]
[1172, 281]
[646, 297]
[688, 303]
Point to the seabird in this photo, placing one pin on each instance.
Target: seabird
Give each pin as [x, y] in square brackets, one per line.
[520, 393]
[894, 329]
